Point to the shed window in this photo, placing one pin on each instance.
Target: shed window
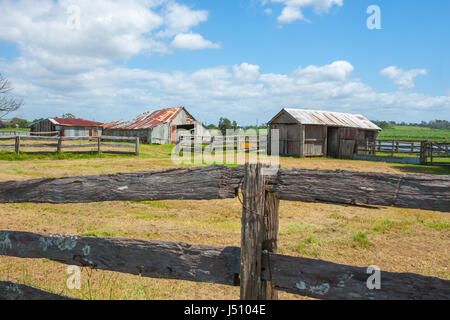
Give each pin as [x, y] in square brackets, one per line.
[349, 133]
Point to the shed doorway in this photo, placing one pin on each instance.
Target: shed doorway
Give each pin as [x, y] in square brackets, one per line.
[332, 142]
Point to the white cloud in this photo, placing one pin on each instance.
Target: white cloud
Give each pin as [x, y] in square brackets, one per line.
[290, 14]
[403, 79]
[336, 71]
[180, 19]
[242, 92]
[192, 41]
[292, 9]
[108, 30]
[62, 70]
[246, 72]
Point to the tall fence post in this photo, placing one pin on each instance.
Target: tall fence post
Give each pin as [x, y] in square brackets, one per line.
[423, 153]
[137, 146]
[259, 234]
[99, 144]
[17, 145]
[270, 244]
[58, 148]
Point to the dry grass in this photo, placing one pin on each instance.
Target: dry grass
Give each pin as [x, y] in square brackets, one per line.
[401, 240]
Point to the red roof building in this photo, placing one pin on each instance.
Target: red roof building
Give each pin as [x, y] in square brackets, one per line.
[67, 127]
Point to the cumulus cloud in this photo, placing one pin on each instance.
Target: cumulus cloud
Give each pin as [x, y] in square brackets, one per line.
[403, 79]
[192, 41]
[80, 70]
[336, 71]
[94, 31]
[293, 9]
[240, 91]
[180, 19]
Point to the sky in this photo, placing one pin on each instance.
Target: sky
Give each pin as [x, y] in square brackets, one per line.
[245, 60]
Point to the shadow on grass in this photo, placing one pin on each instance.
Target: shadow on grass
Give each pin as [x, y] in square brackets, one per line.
[58, 156]
[441, 170]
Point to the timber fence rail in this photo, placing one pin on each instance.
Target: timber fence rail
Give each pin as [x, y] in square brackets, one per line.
[55, 144]
[247, 143]
[430, 153]
[255, 266]
[28, 133]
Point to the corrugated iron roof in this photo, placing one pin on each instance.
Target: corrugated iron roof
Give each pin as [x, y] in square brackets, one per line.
[333, 119]
[148, 120]
[111, 124]
[74, 122]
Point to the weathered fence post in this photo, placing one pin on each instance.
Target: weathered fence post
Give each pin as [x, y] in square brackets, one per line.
[423, 153]
[270, 245]
[430, 146]
[58, 148]
[137, 146]
[99, 144]
[17, 145]
[259, 233]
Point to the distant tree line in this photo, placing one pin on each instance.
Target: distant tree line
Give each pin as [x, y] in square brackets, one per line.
[435, 124]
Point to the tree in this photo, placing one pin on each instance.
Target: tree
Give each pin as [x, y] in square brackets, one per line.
[8, 103]
[225, 124]
[19, 123]
[68, 116]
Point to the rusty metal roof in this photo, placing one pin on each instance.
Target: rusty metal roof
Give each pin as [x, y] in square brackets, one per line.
[111, 124]
[332, 119]
[74, 122]
[149, 119]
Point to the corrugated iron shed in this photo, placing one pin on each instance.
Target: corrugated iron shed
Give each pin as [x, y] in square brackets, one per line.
[149, 120]
[332, 119]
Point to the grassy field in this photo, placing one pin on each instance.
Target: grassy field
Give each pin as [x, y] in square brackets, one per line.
[415, 133]
[401, 240]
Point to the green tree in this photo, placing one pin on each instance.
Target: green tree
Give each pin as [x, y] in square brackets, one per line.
[224, 124]
[68, 116]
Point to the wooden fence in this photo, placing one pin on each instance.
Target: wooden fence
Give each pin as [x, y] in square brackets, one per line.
[255, 266]
[429, 153]
[28, 133]
[226, 143]
[33, 144]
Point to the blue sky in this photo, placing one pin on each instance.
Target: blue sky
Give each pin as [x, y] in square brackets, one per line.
[244, 60]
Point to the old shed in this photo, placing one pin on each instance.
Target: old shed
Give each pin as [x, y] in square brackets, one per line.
[309, 133]
[159, 127]
[67, 127]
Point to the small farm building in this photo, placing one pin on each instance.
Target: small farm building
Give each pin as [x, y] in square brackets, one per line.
[158, 127]
[67, 127]
[308, 133]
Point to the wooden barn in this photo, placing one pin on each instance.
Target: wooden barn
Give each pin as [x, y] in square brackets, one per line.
[158, 127]
[310, 133]
[67, 127]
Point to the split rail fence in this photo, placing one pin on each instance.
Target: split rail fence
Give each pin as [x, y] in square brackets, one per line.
[41, 144]
[430, 153]
[255, 266]
[28, 133]
[249, 143]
